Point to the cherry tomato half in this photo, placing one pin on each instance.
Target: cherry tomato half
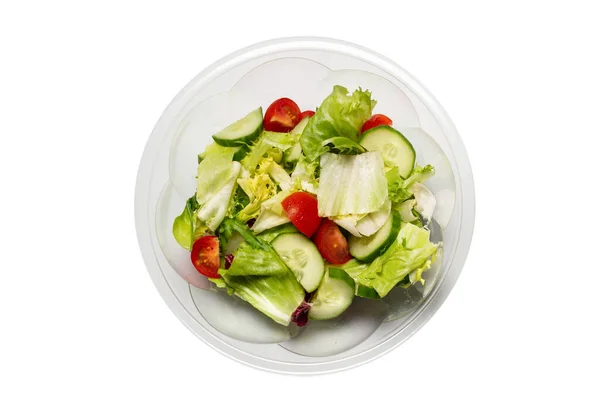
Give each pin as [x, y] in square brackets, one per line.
[375, 120]
[301, 209]
[205, 256]
[282, 115]
[306, 114]
[332, 245]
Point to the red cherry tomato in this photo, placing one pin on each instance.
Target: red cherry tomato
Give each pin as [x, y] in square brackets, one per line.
[332, 245]
[306, 114]
[282, 115]
[375, 120]
[205, 256]
[301, 209]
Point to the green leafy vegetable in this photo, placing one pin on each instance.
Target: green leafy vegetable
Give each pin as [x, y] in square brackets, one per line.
[215, 209]
[401, 189]
[340, 115]
[259, 187]
[253, 261]
[270, 234]
[186, 227]
[351, 184]
[304, 175]
[259, 276]
[272, 213]
[412, 250]
[217, 175]
[270, 144]
[342, 145]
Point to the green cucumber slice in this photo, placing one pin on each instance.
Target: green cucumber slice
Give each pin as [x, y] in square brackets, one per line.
[302, 257]
[366, 292]
[334, 296]
[293, 154]
[393, 146]
[368, 248]
[243, 131]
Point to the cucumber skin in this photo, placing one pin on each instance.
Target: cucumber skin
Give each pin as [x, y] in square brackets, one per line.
[396, 222]
[366, 292]
[247, 140]
[372, 131]
[338, 273]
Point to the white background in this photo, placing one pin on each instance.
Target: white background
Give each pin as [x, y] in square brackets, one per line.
[81, 86]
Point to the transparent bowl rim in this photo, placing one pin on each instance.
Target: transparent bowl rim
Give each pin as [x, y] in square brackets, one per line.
[464, 179]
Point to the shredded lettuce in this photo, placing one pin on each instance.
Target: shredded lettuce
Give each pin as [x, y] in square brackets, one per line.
[351, 184]
[340, 115]
[410, 252]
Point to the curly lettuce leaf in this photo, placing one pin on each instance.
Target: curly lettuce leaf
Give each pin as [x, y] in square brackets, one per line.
[249, 260]
[340, 115]
[259, 187]
[401, 189]
[272, 213]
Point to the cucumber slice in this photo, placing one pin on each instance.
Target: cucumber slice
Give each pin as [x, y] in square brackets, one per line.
[393, 146]
[241, 153]
[366, 292]
[293, 154]
[334, 296]
[243, 131]
[299, 128]
[302, 257]
[368, 248]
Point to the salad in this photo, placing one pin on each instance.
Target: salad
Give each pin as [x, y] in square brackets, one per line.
[299, 212]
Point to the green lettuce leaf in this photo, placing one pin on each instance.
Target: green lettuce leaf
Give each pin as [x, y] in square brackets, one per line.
[351, 184]
[275, 296]
[269, 144]
[304, 175]
[256, 262]
[411, 251]
[215, 209]
[186, 227]
[342, 145]
[270, 234]
[340, 115]
[217, 175]
[401, 189]
[213, 171]
[259, 276]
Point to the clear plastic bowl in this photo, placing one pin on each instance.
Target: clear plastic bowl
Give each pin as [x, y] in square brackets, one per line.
[304, 69]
